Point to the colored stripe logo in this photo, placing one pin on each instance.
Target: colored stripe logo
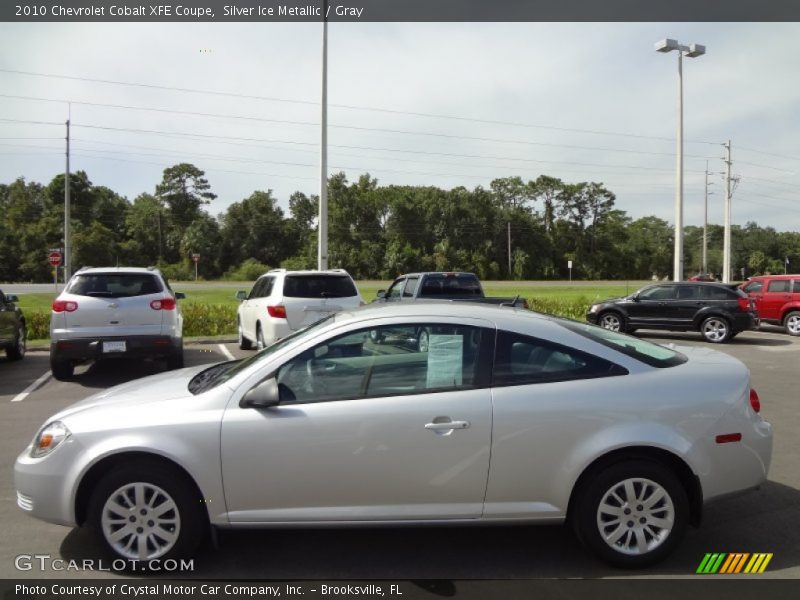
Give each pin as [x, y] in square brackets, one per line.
[720, 563]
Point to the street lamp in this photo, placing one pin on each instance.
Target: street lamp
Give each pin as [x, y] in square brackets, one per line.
[692, 51]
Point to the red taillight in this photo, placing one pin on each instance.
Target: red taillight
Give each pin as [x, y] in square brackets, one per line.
[163, 304]
[744, 303]
[278, 311]
[727, 438]
[64, 306]
[755, 403]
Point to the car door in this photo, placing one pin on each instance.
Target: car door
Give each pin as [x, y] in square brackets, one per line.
[253, 306]
[689, 299]
[776, 294]
[367, 431]
[653, 306]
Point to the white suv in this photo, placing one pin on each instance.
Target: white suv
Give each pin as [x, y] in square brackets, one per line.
[115, 312]
[284, 301]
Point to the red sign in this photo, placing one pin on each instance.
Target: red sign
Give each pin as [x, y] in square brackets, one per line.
[54, 258]
[196, 257]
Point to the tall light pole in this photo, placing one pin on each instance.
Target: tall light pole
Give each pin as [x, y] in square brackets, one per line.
[692, 51]
[705, 224]
[726, 236]
[322, 245]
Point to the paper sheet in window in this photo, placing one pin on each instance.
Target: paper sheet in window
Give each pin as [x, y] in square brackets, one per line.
[445, 357]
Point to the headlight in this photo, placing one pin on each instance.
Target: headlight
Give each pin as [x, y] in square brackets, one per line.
[48, 439]
[593, 308]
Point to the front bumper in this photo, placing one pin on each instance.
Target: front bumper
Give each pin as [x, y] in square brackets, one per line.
[136, 346]
[42, 484]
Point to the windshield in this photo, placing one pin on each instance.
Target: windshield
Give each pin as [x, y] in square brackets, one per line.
[114, 285]
[654, 355]
[222, 372]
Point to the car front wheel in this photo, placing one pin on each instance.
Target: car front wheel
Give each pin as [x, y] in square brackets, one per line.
[632, 514]
[792, 323]
[716, 330]
[611, 321]
[145, 511]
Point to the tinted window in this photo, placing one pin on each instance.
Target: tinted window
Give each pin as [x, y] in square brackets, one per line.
[661, 292]
[688, 292]
[114, 285]
[754, 287]
[384, 361]
[778, 285]
[712, 292]
[258, 289]
[646, 352]
[451, 284]
[319, 286]
[394, 291]
[797, 286]
[521, 360]
[411, 287]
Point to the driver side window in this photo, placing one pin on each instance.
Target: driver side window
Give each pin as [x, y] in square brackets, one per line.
[384, 361]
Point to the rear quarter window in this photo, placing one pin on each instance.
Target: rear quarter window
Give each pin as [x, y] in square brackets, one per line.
[778, 285]
[115, 285]
[319, 286]
[720, 293]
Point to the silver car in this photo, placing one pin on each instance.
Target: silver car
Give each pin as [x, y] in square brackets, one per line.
[507, 416]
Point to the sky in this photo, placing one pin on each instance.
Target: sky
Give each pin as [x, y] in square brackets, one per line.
[443, 104]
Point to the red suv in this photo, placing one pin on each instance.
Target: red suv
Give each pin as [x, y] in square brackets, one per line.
[777, 299]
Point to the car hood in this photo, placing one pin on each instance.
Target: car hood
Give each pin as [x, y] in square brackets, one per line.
[155, 388]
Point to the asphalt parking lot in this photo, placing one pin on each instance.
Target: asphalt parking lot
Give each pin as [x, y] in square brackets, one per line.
[764, 521]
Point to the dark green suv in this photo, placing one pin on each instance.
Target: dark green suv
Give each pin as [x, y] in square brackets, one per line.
[12, 327]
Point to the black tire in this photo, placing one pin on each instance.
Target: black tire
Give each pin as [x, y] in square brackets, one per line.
[17, 351]
[791, 322]
[244, 343]
[175, 361]
[260, 345]
[716, 329]
[62, 370]
[189, 517]
[645, 477]
[612, 320]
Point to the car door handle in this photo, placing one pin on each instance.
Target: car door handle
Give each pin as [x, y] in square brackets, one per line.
[447, 425]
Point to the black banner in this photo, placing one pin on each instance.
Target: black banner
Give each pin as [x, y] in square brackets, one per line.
[400, 10]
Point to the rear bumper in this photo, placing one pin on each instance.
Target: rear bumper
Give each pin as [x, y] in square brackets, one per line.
[744, 322]
[136, 346]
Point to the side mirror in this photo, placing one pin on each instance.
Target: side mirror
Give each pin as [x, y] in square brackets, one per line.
[264, 395]
[241, 295]
[381, 294]
[635, 297]
[180, 296]
[12, 298]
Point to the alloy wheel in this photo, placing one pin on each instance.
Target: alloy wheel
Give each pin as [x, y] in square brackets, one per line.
[715, 330]
[611, 321]
[140, 521]
[793, 324]
[635, 516]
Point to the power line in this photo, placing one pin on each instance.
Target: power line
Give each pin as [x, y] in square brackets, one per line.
[348, 106]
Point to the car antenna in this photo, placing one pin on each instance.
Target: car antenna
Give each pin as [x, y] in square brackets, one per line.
[513, 303]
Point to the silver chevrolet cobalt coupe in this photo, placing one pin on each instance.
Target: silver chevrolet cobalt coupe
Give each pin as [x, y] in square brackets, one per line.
[504, 416]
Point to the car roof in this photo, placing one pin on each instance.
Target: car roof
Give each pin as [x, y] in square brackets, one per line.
[307, 272]
[441, 308]
[759, 277]
[86, 270]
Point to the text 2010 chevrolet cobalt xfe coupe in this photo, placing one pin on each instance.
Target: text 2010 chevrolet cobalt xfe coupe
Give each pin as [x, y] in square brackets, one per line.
[507, 416]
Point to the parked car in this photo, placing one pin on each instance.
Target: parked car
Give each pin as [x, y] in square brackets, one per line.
[282, 301]
[115, 312]
[777, 300]
[13, 331]
[508, 417]
[717, 311]
[464, 287]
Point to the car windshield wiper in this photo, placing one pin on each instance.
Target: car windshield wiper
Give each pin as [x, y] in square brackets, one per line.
[206, 379]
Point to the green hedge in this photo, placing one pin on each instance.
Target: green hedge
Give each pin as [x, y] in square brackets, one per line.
[202, 319]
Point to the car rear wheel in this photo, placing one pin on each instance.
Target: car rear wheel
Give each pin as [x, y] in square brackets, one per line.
[792, 323]
[62, 370]
[632, 514]
[17, 351]
[145, 511]
[244, 343]
[175, 361]
[612, 321]
[260, 345]
[716, 330]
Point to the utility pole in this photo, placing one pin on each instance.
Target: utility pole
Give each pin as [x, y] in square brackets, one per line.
[322, 246]
[704, 268]
[67, 253]
[726, 246]
[509, 249]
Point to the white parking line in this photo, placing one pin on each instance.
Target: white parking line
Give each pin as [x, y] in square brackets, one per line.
[31, 388]
[226, 352]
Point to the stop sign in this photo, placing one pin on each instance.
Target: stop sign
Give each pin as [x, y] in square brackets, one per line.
[54, 258]
[196, 257]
